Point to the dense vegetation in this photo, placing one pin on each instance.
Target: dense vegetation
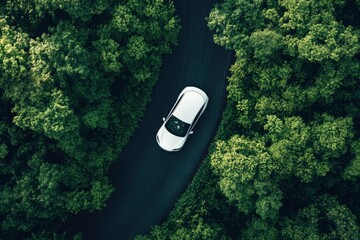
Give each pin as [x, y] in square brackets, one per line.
[286, 160]
[75, 77]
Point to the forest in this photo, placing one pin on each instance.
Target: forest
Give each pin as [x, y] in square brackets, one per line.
[75, 77]
[285, 163]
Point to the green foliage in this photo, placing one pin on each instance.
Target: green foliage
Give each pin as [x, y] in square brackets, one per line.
[278, 58]
[70, 82]
[247, 15]
[107, 52]
[318, 36]
[45, 236]
[244, 168]
[288, 145]
[325, 219]
[295, 66]
[305, 151]
[77, 9]
[261, 230]
[353, 170]
[199, 230]
[13, 55]
[267, 44]
[296, 69]
[250, 172]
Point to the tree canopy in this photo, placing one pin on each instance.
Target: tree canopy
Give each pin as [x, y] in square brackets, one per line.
[286, 156]
[70, 80]
[295, 83]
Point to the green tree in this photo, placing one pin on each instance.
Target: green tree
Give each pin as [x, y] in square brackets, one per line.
[352, 171]
[244, 167]
[78, 9]
[250, 173]
[267, 45]
[198, 230]
[70, 82]
[290, 131]
[325, 219]
[295, 85]
[260, 229]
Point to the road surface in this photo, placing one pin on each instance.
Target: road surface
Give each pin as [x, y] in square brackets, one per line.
[148, 180]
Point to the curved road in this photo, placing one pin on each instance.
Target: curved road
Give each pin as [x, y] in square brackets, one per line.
[148, 180]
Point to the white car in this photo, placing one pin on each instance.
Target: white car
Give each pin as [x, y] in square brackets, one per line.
[178, 125]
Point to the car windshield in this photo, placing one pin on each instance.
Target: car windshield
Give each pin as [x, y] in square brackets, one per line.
[177, 127]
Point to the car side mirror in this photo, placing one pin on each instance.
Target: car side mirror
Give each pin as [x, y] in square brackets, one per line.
[191, 132]
[163, 119]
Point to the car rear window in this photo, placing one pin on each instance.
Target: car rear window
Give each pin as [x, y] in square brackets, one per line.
[177, 127]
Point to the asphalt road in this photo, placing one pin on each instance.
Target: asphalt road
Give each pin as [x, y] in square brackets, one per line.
[148, 180]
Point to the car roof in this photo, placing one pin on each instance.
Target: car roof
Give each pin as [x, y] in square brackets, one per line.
[189, 106]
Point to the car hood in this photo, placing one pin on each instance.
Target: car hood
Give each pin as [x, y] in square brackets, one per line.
[168, 141]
